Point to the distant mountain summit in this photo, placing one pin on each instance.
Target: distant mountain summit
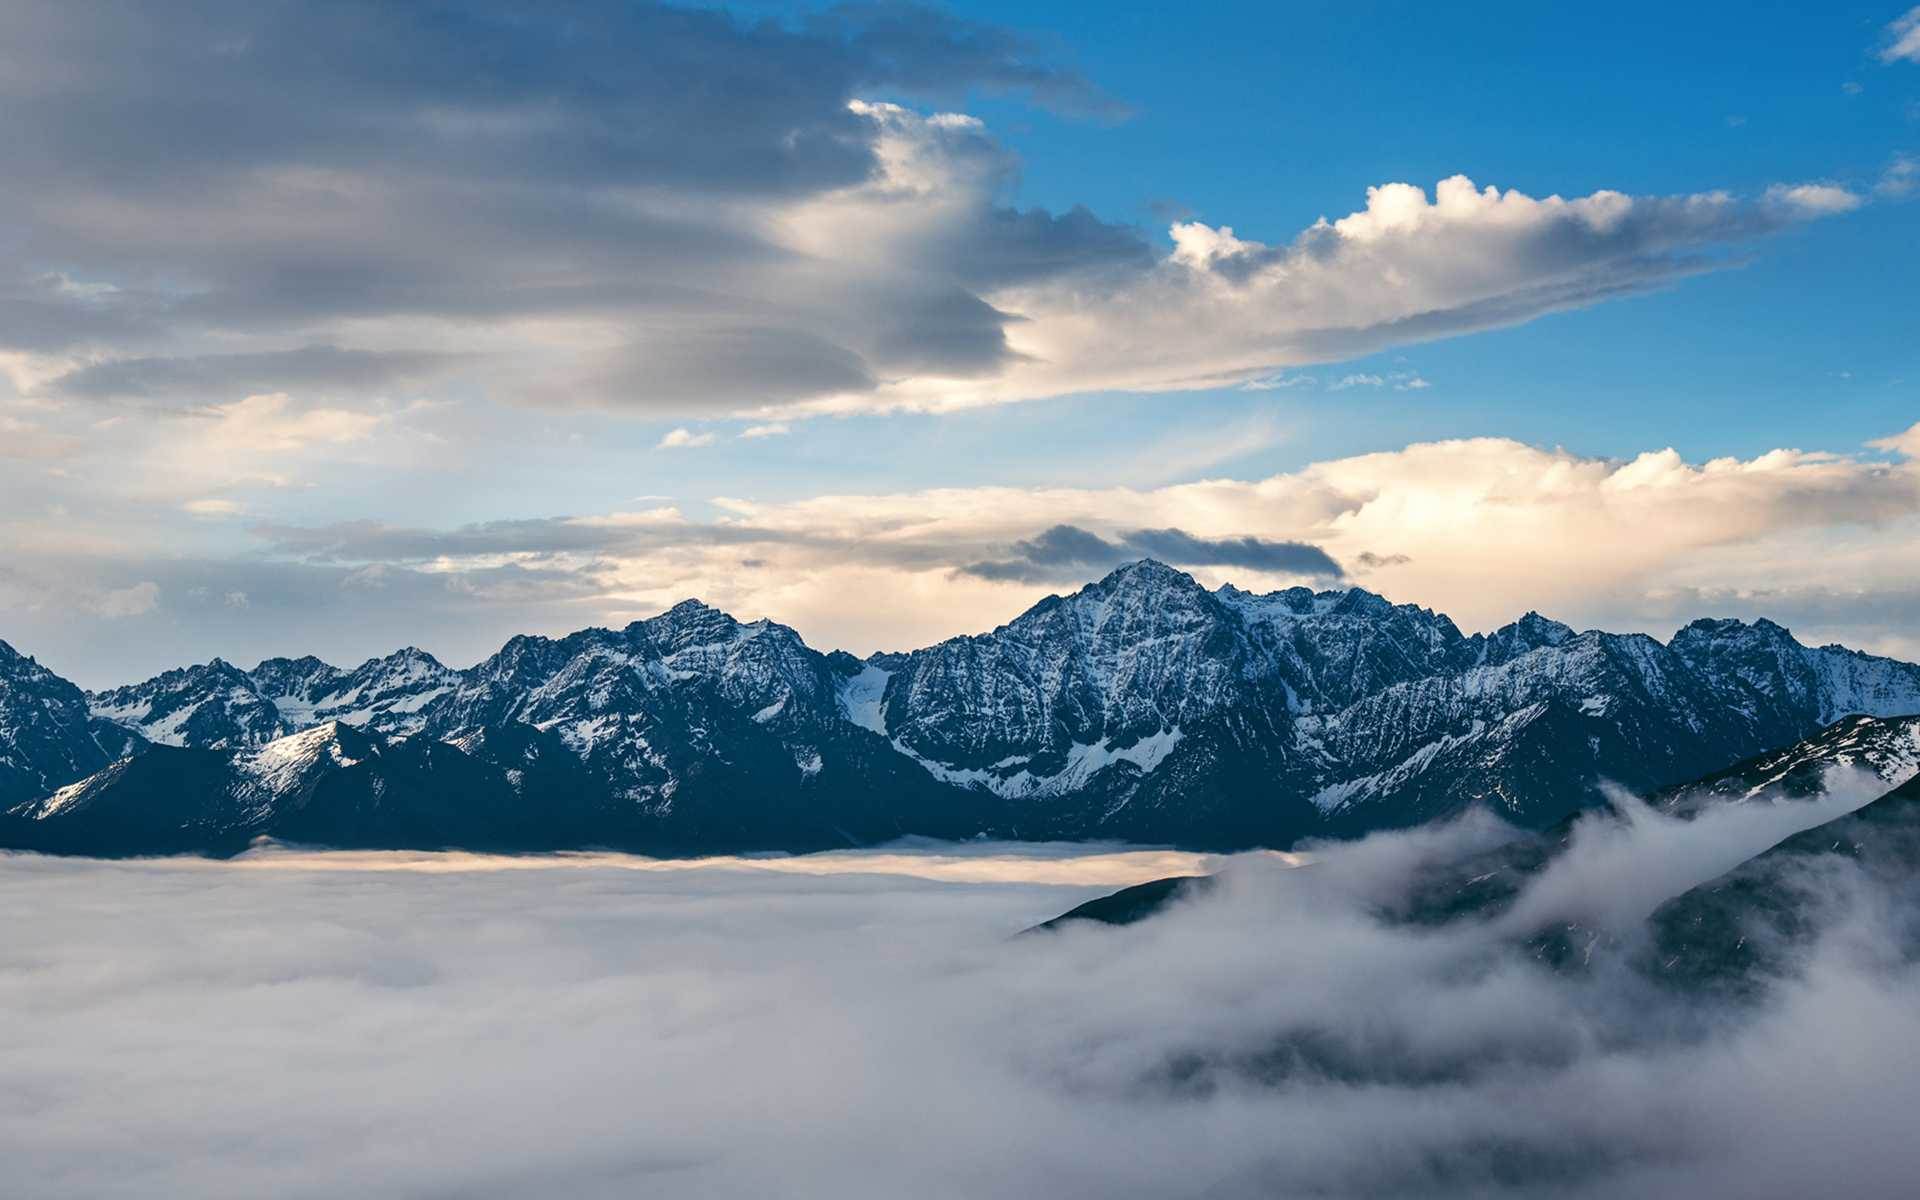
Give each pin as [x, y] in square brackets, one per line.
[1144, 706]
[219, 706]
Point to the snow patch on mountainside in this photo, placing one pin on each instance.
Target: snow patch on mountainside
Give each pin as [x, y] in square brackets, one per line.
[770, 711]
[1083, 761]
[1339, 795]
[278, 767]
[860, 698]
[63, 799]
[133, 714]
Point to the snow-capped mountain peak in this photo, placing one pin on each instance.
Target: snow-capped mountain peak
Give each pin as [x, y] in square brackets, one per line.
[47, 735]
[214, 705]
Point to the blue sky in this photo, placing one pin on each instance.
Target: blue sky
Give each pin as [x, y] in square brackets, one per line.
[469, 307]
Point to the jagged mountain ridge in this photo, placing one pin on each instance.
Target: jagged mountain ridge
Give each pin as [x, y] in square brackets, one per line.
[1143, 706]
[218, 706]
[48, 735]
[1886, 749]
[1377, 714]
[1702, 935]
[332, 784]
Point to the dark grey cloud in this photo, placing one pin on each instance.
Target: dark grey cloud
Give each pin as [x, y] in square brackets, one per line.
[1372, 561]
[929, 52]
[685, 369]
[1067, 552]
[948, 331]
[1014, 246]
[580, 92]
[1258, 554]
[1061, 550]
[183, 179]
[41, 311]
[225, 376]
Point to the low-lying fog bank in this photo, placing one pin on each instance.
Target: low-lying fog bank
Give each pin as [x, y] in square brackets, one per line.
[298, 1023]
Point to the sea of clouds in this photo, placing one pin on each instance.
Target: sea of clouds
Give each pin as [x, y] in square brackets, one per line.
[304, 1024]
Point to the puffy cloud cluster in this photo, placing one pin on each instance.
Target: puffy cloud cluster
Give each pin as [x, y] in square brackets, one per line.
[1221, 309]
[865, 1025]
[1814, 199]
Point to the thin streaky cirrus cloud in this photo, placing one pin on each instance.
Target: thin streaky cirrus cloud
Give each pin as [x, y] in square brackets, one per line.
[1903, 38]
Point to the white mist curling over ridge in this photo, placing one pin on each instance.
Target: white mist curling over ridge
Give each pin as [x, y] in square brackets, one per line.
[1623, 869]
[272, 1028]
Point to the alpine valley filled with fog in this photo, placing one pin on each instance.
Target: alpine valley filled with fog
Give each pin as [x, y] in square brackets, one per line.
[850, 599]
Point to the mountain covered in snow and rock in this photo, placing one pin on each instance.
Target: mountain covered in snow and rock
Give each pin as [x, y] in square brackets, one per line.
[217, 706]
[48, 732]
[1725, 932]
[1144, 706]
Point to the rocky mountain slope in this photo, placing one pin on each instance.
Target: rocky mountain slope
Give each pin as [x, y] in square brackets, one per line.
[1143, 706]
[1882, 749]
[1736, 933]
[48, 736]
[331, 784]
[1733, 932]
[1151, 707]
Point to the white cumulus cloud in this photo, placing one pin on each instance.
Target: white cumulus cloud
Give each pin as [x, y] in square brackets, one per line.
[1814, 199]
[118, 603]
[684, 438]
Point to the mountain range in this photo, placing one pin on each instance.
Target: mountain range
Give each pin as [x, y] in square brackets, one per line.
[1142, 707]
[1732, 934]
